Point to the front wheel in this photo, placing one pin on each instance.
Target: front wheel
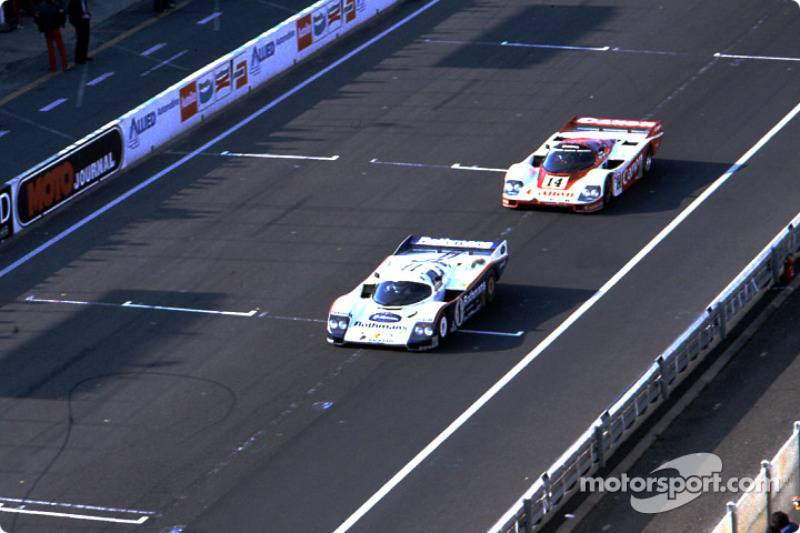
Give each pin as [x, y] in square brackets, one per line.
[491, 287]
[608, 191]
[442, 328]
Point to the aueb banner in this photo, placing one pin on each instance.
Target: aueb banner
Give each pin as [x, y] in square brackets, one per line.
[231, 77]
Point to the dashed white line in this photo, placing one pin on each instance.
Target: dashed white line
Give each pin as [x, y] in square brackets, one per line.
[454, 166]
[226, 153]
[133, 305]
[53, 105]
[769, 58]
[100, 79]
[495, 333]
[209, 18]
[152, 49]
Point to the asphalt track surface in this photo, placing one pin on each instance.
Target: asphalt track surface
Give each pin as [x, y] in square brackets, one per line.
[164, 359]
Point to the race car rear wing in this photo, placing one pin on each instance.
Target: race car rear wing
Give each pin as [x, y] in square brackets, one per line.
[650, 127]
[415, 244]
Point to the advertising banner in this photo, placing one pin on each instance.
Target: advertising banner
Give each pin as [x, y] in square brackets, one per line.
[69, 176]
[6, 213]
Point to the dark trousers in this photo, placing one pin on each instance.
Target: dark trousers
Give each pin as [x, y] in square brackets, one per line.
[160, 5]
[81, 40]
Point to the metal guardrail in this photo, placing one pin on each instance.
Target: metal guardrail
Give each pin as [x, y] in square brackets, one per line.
[590, 452]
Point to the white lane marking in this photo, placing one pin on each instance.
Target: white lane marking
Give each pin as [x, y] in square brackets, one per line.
[522, 45]
[3, 132]
[266, 314]
[226, 153]
[209, 18]
[557, 47]
[496, 333]
[603, 49]
[152, 49]
[769, 58]
[176, 56]
[53, 105]
[100, 79]
[190, 310]
[454, 166]
[556, 333]
[82, 507]
[20, 510]
[144, 306]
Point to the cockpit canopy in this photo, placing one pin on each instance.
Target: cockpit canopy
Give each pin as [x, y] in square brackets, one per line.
[400, 293]
[568, 158]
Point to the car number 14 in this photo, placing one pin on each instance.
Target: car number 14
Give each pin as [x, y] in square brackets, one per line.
[555, 182]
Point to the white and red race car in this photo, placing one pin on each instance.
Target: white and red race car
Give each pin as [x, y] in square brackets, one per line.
[585, 164]
[420, 294]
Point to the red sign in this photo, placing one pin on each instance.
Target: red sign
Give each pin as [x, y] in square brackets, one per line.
[188, 96]
[304, 34]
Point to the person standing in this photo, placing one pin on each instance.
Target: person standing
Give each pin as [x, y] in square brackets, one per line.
[80, 17]
[50, 19]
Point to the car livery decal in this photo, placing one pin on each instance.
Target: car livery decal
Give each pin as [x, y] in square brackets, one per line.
[385, 317]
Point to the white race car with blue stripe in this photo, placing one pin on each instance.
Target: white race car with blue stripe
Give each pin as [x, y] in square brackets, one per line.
[420, 294]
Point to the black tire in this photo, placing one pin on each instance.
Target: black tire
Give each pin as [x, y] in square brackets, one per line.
[608, 191]
[491, 287]
[647, 162]
[458, 314]
[442, 327]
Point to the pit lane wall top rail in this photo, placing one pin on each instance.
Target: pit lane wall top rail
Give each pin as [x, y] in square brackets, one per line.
[588, 454]
[139, 132]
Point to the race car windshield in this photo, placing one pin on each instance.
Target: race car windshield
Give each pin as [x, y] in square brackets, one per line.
[396, 293]
[568, 161]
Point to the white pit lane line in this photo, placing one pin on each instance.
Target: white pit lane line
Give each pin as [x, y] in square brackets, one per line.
[454, 166]
[81, 512]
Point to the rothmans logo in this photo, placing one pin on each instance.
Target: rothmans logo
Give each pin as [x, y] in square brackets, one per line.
[385, 317]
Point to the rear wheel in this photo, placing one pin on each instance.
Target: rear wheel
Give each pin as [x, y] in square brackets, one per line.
[458, 313]
[647, 162]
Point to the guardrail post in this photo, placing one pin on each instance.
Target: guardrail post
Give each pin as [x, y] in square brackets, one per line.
[528, 512]
[662, 379]
[733, 516]
[719, 311]
[767, 471]
[599, 438]
[546, 486]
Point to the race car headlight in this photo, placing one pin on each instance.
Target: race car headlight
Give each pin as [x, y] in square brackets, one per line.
[338, 324]
[513, 187]
[423, 330]
[590, 193]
